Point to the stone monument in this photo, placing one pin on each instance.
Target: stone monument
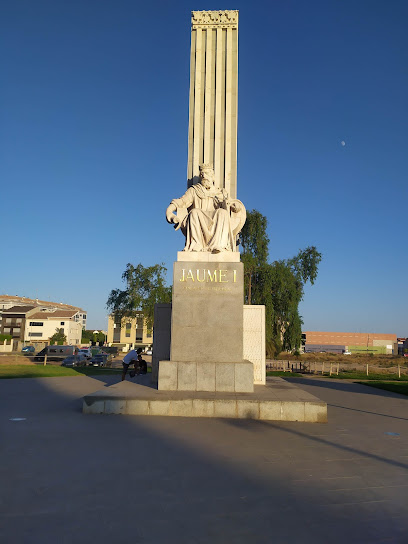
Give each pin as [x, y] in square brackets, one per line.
[208, 347]
[206, 342]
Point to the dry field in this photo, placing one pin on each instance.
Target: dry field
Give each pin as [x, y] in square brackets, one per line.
[15, 360]
[319, 362]
[357, 359]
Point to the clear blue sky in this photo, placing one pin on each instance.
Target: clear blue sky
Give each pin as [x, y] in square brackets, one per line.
[93, 146]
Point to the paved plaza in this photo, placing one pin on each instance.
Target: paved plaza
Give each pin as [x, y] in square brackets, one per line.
[68, 477]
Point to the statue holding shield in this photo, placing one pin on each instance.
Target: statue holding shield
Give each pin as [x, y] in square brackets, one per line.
[207, 217]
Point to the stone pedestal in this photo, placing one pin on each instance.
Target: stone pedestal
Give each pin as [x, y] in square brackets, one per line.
[207, 320]
[206, 352]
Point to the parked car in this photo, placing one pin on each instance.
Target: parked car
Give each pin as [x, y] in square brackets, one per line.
[148, 352]
[346, 352]
[101, 359]
[28, 350]
[86, 351]
[75, 360]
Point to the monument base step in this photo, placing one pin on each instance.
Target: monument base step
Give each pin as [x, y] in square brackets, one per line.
[278, 400]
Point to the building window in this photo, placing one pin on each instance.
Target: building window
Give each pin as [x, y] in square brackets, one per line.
[62, 323]
[8, 319]
[38, 334]
[18, 320]
[128, 335]
[36, 324]
[128, 326]
[6, 330]
[16, 330]
[83, 316]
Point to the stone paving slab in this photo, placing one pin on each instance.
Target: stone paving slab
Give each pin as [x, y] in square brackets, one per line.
[65, 477]
[276, 401]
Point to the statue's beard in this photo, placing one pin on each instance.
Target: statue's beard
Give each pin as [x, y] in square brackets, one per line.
[207, 184]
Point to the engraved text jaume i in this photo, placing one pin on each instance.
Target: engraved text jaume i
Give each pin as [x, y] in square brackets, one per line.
[205, 275]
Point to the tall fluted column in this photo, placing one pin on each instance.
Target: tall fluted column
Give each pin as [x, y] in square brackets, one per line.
[212, 134]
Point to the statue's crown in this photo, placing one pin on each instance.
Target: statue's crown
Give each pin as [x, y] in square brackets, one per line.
[204, 167]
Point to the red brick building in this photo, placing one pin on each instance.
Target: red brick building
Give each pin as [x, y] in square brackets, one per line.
[352, 341]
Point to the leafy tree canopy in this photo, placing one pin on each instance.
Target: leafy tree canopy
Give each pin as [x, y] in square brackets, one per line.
[278, 285]
[58, 337]
[89, 336]
[145, 287]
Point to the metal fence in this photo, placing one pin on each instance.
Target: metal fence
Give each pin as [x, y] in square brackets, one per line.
[327, 368]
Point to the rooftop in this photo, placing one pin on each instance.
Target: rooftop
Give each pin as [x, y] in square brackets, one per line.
[57, 314]
[36, 302]
[18, 309]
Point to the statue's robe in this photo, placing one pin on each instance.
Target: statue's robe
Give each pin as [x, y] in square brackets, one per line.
[207, 220]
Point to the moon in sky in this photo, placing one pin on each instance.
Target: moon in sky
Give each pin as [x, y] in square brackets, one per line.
[343, 143]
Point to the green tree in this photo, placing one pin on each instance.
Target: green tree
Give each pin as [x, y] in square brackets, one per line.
[86, 337]
[278, 285]
[58, 337]
[99, 337]
[145, 287]
[254, 242]
[90, 336]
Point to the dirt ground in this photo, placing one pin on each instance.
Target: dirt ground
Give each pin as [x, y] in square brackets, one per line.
[356, 359]
[328, 362]
[15, 360]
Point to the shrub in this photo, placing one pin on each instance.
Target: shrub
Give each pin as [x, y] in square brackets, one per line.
[273, 348]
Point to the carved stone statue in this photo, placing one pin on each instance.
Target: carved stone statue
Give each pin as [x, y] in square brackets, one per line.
[207, 217]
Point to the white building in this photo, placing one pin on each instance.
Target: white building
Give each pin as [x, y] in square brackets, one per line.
[8, 301]
[41, 325]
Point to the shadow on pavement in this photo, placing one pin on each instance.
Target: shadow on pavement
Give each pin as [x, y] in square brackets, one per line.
[257, 425]
[69, 477]
[342, 385]
[352, 388]
[368, 412]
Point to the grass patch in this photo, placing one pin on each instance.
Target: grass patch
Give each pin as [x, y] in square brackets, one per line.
[344, 376]
[280, 373]
[41, 371]
[401, 388]
[363, 376]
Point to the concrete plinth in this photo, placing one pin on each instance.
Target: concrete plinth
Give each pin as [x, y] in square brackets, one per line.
[277, 401]
[235, 377]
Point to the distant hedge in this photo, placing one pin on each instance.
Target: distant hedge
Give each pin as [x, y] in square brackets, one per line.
[5, 337]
